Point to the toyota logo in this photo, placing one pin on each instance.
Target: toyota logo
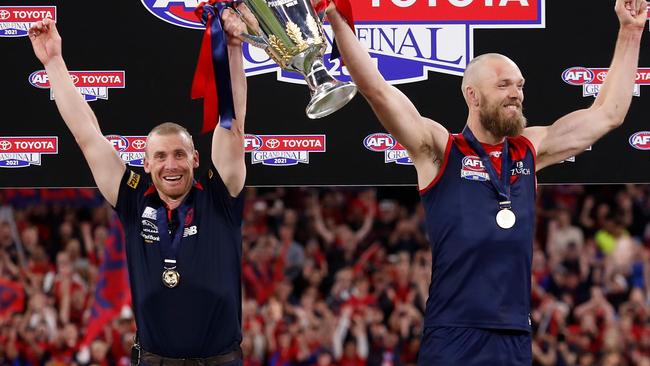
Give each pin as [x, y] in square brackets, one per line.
[4, 14]
[272, 143]
[75, 79]
[139, 144]
[5, 145]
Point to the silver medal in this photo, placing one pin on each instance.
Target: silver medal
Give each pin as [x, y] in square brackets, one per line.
[506, 218]
[171, 277]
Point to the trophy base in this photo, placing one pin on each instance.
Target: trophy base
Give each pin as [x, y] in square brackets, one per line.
[329, 98]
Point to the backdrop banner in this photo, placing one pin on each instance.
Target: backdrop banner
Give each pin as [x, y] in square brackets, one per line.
[134, 62]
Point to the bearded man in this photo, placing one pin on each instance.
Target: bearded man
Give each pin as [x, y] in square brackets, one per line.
[478, 189]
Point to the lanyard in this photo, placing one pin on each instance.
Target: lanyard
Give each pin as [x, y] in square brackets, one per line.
[169, 245]
[502, 186]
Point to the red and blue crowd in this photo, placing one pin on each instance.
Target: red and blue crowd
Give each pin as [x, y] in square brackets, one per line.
[333, 276]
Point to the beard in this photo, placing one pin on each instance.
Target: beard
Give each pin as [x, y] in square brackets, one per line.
[494, 119]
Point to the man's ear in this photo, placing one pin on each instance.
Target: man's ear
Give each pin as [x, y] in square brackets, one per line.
[146, 165]
[195, 159]
[472, 96]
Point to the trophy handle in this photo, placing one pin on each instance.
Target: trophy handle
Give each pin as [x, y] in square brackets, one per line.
[257, 41]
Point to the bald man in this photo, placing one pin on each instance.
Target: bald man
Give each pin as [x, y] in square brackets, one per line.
[478, 189]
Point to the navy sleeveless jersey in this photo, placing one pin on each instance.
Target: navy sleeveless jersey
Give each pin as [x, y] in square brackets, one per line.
[201, 317]
[481, 272]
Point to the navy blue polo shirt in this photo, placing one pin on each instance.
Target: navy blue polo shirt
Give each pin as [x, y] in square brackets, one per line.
[201, 317]
[481, 273]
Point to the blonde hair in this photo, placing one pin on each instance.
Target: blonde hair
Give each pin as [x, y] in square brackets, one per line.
[171, 128]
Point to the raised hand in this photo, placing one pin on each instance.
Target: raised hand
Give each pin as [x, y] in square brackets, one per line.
[46, 40]
[236, 24]
[632, 13]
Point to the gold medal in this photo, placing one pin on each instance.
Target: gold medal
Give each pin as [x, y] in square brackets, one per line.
[171, 277]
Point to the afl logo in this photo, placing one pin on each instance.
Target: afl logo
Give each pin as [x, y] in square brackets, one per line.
[252, 143]
[473, 163]
[379, 142]
[180, 13]
[578, 76]
[473, 169]
[118, 142]
[641, 140]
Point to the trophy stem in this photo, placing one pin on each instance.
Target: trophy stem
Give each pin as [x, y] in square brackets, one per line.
[328, 94]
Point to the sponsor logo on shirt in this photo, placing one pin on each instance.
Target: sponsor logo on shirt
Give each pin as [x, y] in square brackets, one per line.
[149, 227]
[149, 232]
[473, 169]
[149, 213]
[149, 238]
[189, 231]
[519, 169]
[134, 180]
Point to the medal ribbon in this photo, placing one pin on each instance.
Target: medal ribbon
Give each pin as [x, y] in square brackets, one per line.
[169, 246]
[212, 75]
[502, 186]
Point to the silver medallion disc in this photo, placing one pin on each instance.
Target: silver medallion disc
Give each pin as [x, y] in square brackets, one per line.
[506, 218]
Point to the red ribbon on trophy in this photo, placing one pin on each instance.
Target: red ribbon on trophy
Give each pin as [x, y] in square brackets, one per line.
[212, 76]
[344, 7]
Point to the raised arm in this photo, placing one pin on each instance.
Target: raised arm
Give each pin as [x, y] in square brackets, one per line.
[105, 164]
[424, 139]
[573, 133]
[228, 145]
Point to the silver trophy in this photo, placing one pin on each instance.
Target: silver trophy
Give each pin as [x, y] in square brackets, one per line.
[292, 34]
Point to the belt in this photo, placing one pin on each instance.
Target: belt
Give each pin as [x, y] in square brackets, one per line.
[149, 358]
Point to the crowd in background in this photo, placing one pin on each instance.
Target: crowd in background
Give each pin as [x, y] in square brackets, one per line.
[335, 276]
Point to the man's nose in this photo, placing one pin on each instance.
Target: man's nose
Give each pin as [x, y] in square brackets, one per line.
[514, 92]
[170, 163]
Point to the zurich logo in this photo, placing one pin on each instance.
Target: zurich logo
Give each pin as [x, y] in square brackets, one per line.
[179, 12]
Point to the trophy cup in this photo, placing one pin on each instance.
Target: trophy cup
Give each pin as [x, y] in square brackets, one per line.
[292, 35]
